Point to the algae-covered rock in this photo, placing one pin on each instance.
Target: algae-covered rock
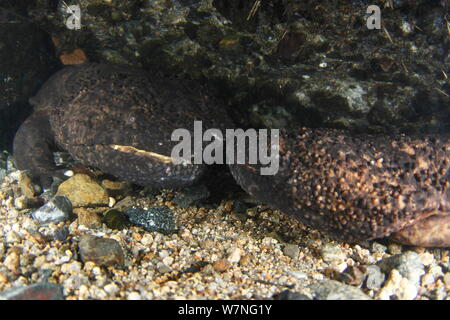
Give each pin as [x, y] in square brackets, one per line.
[282, 63]
[115, 219]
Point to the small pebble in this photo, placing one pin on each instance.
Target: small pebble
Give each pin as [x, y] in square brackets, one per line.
[112, 289]
[291, 250]
[163, 268]
[72, 268]
[245, 260]
[235, 255]
[398, 287]
[332, 253]
[104, 252]
[23, 202]
[111, 202]
[434, 272]
[447, 281]
[353, 275]
[115, 219]
[426, 258]
[3, 278]
[25, 185]
[298, 274]
[39, 238]
[378, 247]
[88, 218]
[375, 277]
[61, 234]
[168, 261]
[56, 210]
[12, 261]
[221, 265]
[394, 248]
[134, 296]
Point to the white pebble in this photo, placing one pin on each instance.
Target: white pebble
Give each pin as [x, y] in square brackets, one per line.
[12, 237]
[111, 202]
[426, 258]
[168, 261]
[134, 296]
[147, 239]
[112, 289]
[164, 253]
[406, 28]
[235, 255]
[72, 268]
[68, 173]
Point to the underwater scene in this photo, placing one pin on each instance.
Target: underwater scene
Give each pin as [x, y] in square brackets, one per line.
[224, 150]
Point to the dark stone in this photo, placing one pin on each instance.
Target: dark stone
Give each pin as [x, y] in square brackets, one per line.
[115, 219]
[61, 234]
[104, 252]
[158, 219]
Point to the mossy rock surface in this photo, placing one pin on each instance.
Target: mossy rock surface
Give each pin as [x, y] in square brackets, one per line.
[285, 63]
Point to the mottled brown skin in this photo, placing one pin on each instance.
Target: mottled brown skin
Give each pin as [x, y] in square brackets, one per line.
[103, 114]
[360, 187]
[353, 187]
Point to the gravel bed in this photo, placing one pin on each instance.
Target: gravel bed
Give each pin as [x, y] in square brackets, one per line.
[215, 252]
